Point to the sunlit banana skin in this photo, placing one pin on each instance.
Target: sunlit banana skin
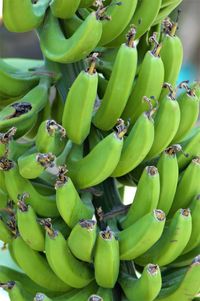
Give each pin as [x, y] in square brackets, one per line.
[188, 186]
[73, 209]
[187, 288]
[64, 9]
[82, 238]
[43, 275]
[169, 172]
[172, 242]
[77, 114]
[106, 259]
[147, 287]
[147, 230]
[22, 15]
[147, 192]
[72, 271]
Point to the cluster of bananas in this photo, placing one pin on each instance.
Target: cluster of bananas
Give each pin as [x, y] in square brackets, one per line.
[72, 138]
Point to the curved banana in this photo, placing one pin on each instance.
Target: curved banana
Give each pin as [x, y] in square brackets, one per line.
[172, 242]
[23, 15]
[3, 199]
[134, 148]
[116, 95]
[188, 186]
[148, 192]
[64, 9]
[142, 20]
[165, 131]
[189, 109]
[106, 259]
[74, 209]
[72, 271]
[37, 269]
[29, 228]
[98, 164]
[32, 166]
[171, 55]
[57, 48]
[186, 288]
[152, 67]
[191, 149]
[24, 112]
[194, 240]
[51, 137]
[77, 114]
[15, 82]
[16, 184]
[147, 287]
[31, 287]
[82, 238]
[169, 172]
[105, 293]
[118, 15]
[147, 230]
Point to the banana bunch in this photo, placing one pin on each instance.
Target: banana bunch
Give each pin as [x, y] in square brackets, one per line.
[100, 112]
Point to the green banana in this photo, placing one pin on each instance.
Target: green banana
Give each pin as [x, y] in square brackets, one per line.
[171, 55]
[172, 242]
[16, 184]
[187, 288]
[5, 233]
[3, 198]
[24, 112]
[188, 186]
[5, 139]
[169, 172]
[152, 67]
[64, 9]
[141, 235]
[194, 240]
[37, 269]
[79, 104]
[72, 271]
[106, 61]
[105, 293]
[102, 85]
[191, 149]
[116, 96]
[29, 228]
[23, 15]
[31, 287]
[98, 164]
[106, 259]
[147, 287]
[165, 11]
[74, 209]
[165, 131]
[51, 137]
[134, 148]
[15, 291]
[15, 82]
[142, 20]
[186, 259]
[32, 165]
[57, 108]
[82, 238]
[118, 15]
[147, 193]
[17, 148]
[57, 48]
[189, 109]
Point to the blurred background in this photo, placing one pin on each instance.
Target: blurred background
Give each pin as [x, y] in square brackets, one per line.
[26, 45]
